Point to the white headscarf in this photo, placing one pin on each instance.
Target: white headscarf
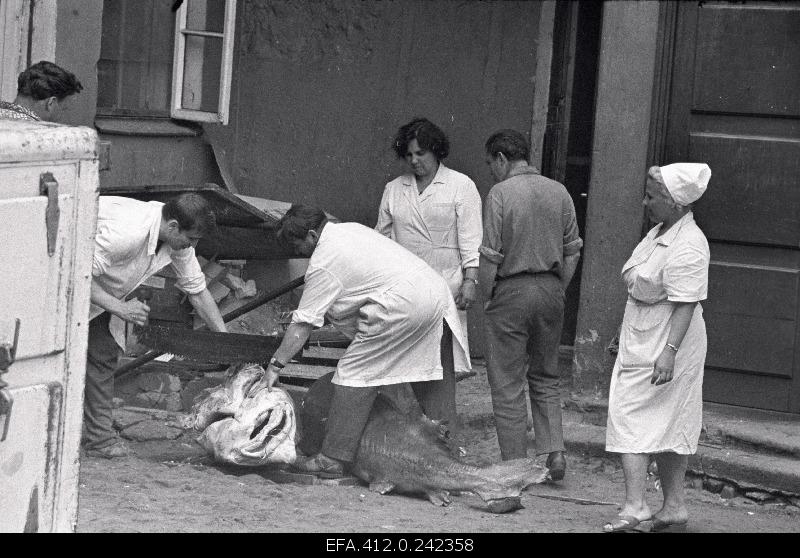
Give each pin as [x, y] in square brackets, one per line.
[686, 182]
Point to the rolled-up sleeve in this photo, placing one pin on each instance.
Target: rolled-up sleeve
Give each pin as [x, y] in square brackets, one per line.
[686, 274]
[572, 241]
[492, 246]
[322, 289]
[469, 227]
[190, 277]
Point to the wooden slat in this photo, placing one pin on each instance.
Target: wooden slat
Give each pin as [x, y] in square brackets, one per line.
[752, 196]
[760, 392]
[771, 62]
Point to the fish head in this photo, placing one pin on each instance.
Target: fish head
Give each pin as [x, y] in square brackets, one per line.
[263, 430]
[224, 400]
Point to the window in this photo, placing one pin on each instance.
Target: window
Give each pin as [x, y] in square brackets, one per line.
[203, 59]
[159, 63]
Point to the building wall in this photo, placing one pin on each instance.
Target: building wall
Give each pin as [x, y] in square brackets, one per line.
[320, 89]
[619, 165]
[138, 153]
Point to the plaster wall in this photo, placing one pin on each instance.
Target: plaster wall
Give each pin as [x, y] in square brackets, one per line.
[78, 31]
[619, 165]
[320, 89]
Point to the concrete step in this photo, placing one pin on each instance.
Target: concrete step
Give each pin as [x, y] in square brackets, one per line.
[726, 426]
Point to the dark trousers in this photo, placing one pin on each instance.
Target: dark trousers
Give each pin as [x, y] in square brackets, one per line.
[101, 361]
[523, 329]
[438, 397]
[349, 413]
[350, 407]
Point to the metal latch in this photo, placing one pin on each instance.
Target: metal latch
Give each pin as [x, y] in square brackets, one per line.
[7, 354]
[48, 186]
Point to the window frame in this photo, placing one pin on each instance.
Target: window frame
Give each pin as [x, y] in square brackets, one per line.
[226, 70]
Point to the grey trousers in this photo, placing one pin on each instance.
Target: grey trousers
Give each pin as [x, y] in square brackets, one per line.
[438, 397]
[349, 413]
[101, 361]
[523, 329]
[350, 407]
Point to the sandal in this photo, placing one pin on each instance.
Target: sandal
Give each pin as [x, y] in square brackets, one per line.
[321, 466]
[623, 523]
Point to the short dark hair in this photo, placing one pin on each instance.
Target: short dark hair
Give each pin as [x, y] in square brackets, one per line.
[191, 211]
[44, 79]
[514, 145]
[428, 135]
[300, 219]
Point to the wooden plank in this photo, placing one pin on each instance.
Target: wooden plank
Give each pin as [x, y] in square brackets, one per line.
[752, 290]
[752, 196]
[761, 346]
[721, 386]
[765, 80]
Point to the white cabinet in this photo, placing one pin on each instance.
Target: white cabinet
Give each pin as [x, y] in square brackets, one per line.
[48, 212]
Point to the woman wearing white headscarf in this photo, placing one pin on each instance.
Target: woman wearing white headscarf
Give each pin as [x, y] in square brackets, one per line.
[655, 401]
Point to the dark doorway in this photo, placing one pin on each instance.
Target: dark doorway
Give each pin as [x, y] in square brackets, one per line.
[567, 148]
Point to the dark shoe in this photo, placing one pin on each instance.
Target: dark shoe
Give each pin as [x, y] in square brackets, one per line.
[321, 466]
[110, 451]
[623, 523]
[556, 465]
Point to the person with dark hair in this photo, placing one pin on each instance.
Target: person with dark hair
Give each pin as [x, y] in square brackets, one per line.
[529, 254]
[435, 212]
[387, 300]
[135, 240]
[43, 91]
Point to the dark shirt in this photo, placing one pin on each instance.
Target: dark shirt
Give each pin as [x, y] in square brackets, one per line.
[529, 224]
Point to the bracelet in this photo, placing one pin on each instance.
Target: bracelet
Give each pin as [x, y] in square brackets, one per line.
[471, 279]
[276, 363]
[673, 347]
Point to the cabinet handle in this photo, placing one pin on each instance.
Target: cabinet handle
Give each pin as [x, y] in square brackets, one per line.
[48, 186]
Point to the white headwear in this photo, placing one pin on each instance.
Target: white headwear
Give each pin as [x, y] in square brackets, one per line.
[686, 182]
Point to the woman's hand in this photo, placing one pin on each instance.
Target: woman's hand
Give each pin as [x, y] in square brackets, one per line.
[664, 367]
[467, 294]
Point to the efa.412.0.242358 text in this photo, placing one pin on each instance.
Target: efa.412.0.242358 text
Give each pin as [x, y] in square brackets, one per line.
[399, 544]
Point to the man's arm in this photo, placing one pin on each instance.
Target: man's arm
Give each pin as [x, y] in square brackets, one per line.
[207, 309]
[570, 265]
[133, 311]
[296, 336]
[486, 276]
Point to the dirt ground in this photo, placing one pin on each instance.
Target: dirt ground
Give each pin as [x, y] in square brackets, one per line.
[172, 486]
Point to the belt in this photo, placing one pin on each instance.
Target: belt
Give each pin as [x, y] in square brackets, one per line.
[523, 274]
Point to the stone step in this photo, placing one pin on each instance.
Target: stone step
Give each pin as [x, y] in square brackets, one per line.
[724, 426]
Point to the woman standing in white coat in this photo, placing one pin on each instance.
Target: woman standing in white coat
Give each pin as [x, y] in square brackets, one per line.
[435, 212]
[655, 400]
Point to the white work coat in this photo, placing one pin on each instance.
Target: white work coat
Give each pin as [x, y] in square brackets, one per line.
[387, 300]
[442, 225]
[643, 417]
[125, 254]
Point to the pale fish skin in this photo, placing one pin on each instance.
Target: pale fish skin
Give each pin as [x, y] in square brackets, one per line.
[247, 430]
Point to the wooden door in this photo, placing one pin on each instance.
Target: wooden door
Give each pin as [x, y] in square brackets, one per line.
[735, 104]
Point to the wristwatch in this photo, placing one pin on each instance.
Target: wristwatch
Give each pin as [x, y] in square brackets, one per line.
[471, 279]
[276, 363]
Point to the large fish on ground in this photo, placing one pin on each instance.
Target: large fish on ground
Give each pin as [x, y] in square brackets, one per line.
[246, 430]
[407, 452]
